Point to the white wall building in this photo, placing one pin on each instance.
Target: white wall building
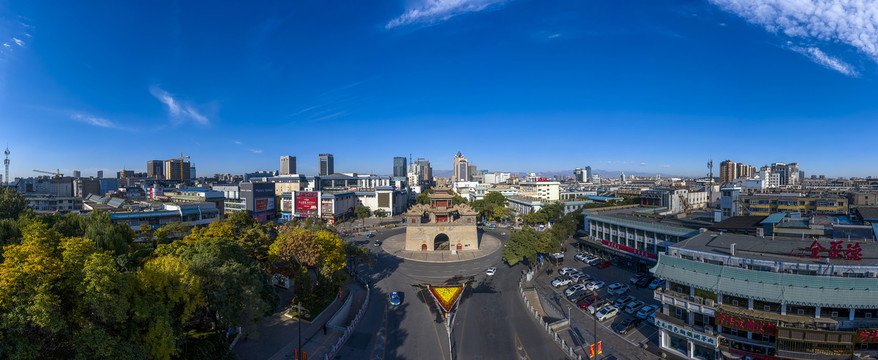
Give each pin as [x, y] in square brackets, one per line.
[543, 190]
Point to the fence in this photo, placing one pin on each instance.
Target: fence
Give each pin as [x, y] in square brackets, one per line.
[353, 325]
[546, 326]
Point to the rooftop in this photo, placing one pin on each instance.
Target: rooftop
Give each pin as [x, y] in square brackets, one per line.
[785, 249]
[740, 222]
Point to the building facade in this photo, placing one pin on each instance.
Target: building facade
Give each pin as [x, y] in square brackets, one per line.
[172, 170]
[155, 169]
[461, 168]
[731, 296]
[441, 225]
[767, 204]
[543, 190]
[399, 167]
[258, 198]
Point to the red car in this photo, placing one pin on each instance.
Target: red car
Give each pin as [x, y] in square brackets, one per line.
[588, 300]
[603, 264]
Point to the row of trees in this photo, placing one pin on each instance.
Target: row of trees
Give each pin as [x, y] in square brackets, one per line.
[527, 244]
[77, 286]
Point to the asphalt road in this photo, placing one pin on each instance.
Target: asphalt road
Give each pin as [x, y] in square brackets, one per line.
[491, 320]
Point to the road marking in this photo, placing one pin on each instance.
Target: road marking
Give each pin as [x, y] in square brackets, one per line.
[463, 316]
[438, 340]
[517, 344]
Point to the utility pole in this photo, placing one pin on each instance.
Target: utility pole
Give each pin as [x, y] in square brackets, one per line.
[299, 317]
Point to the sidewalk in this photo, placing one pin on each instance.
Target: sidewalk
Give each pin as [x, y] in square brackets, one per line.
[277, 336]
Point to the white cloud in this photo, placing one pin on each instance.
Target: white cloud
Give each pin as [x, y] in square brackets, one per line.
[256, 151]
[643, 164]
[7, 45]
[17, 41]
[92, 120]
[237, 142]
[833, 63]
[850, 22]
[554, 36]
[432, 11]
[179, 111]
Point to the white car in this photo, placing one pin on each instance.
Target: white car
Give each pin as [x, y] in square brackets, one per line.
[581, 256]
[595, 285]
[617, 288]
[633, 306]
[565, 270]
[491, 271]
[646, 311]
[580, 277]
[607, 313]
[622, 302]
[561, 281]
[573, 289]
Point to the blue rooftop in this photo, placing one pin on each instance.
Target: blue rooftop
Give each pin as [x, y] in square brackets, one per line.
[774, 218]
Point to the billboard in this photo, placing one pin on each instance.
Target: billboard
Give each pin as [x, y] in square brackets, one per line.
[264, 205]
[307, 202]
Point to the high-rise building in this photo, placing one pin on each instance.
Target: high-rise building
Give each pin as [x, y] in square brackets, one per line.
[287, 165]
[172, 170]
[155, 169]
[327, 165]
[578, 175]
[399, 166]
[472, 171]
[76, 174]
[192, 173]
[461, 168]
[424, 172]
[728, 172]
[788, 174]
[100, 174]
[588, 174]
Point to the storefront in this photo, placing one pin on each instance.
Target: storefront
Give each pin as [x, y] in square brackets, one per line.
[685, 342]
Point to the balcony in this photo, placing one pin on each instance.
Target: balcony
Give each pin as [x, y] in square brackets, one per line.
[690, 303]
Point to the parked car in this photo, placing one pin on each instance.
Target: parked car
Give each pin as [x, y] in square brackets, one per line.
[617, 288]
[642, 283]
[394, 298]
[646, 311]
[581, 256]
[574, 288]
[597, 305]
[581, 277]
[633, 306]
[595, 285]
[626, 325]
[586, 301]
[565, 270]
[657, 283]
[634, 279]
[607, 313]
[622, 302]
[592, 260]
[491, 271]
[576, 295]
[561, 281]
[370, 235]
[603, 265]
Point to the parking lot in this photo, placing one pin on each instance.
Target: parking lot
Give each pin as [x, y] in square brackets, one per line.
[582, 326]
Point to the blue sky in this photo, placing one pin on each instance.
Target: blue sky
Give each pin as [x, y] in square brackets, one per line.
[518, 85]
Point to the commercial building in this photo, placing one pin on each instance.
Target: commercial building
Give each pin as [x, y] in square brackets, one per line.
[77, 174]
[258, 198]
[460, 168]
[287, 165]
[588, 174]
[326, 165]
[421, 173]
[676, 200]
[767, 204]
[155, 169]
[331, 206]
[44, 203]
[192, 213]
[731, 296]
[399, 167]
[578, 175]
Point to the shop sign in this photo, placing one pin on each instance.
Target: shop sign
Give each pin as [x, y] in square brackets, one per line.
[631, 250]
[836, 251]
[867, 336]
[674, 329]
[746, 324]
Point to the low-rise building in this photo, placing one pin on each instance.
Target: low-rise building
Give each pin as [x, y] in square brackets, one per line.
[543, 190]
[767, 204]
[191, 213]
[45, 203]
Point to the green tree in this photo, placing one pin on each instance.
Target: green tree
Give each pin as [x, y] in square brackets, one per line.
[362, 213]
[172, 231]
[108, 235]
[12, 204]
[424, 196]
[495, 198]
[522, 246]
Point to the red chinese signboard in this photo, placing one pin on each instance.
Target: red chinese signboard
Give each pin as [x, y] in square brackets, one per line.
[746, 324]
[306, 203]
[630, 250]
[867, 336]
[852, 251]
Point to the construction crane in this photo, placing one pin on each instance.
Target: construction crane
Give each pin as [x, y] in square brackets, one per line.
[58, 176]
[181, 158]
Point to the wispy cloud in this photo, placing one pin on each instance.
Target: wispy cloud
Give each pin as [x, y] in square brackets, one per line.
[93, 120]
[822, 58]
[180, 111]
[554, 36]
[433, 11]
[643, 164]
[256, 151]
[850, 22]
[237, 142]
[330, 116]
[18, 42]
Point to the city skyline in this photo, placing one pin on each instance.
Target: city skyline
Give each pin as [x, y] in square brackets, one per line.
[684, 80]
